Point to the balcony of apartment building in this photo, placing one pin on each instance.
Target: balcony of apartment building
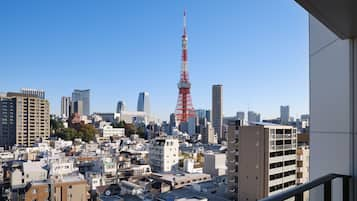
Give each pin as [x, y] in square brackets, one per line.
[333, 103]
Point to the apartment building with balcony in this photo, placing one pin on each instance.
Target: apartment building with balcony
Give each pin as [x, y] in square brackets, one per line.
[267, 160]
[25, 119]
[232, 159]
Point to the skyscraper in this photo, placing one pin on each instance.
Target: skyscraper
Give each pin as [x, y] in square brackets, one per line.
[7, 121]
[66, 106]
[121, 106]
[253, 116]
[240, 116]
[144, 102]
[284, 114]
[208, 115]
[217, 107]
[84, 96]
[172, 122]
[78, 107]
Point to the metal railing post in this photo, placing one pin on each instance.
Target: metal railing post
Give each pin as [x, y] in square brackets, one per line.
[346, 189]
[327, 191]
[299, 197]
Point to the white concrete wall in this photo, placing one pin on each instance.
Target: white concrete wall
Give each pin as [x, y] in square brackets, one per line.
[330, 105]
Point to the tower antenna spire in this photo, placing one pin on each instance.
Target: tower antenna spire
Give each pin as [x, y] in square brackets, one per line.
[184, 22]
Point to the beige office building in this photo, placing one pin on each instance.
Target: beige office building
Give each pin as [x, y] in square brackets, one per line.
[267, 158]
[32, 118]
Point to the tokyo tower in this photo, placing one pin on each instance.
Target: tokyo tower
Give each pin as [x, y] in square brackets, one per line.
[184, 108]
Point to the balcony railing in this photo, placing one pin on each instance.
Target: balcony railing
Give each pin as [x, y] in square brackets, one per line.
[326, 181]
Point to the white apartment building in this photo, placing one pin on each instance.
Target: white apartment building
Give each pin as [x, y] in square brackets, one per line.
[26, 172]
[164, 154]
[109, 131]
[61, 167]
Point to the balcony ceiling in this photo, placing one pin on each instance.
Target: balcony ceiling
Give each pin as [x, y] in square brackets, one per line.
[340, 16]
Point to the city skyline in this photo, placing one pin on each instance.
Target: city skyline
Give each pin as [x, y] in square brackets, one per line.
[229, 58]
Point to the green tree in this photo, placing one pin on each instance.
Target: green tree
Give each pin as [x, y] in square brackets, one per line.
[120, 124]
[130, 129]
[86, 132]
[55, 125]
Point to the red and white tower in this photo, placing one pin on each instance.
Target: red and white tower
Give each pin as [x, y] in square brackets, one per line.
[184, 108]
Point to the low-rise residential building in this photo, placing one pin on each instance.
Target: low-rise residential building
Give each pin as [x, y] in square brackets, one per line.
[179, 180]
[23, 173]
[164, 154]
[69, 188]
[109, 131]
[215, 164]
[61, 167]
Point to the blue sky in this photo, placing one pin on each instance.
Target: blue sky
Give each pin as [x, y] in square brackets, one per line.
[257, 49]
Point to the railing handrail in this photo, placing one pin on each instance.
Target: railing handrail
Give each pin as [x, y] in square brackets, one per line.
[304, 187]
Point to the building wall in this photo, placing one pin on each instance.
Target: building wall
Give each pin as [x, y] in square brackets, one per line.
[39, 192]
[331, 95]
[71, 191]
[253, 160]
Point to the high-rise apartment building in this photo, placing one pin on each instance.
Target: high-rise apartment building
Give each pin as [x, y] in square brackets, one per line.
[29, 114]
[267, 160]
[66, 106]
[208, 134]
[217, 110]
[144, 102]
[232, 157]
[284, 114]
[164, 154]
[121, 106]
[253, 116]
[34, 92]
[84, 96]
